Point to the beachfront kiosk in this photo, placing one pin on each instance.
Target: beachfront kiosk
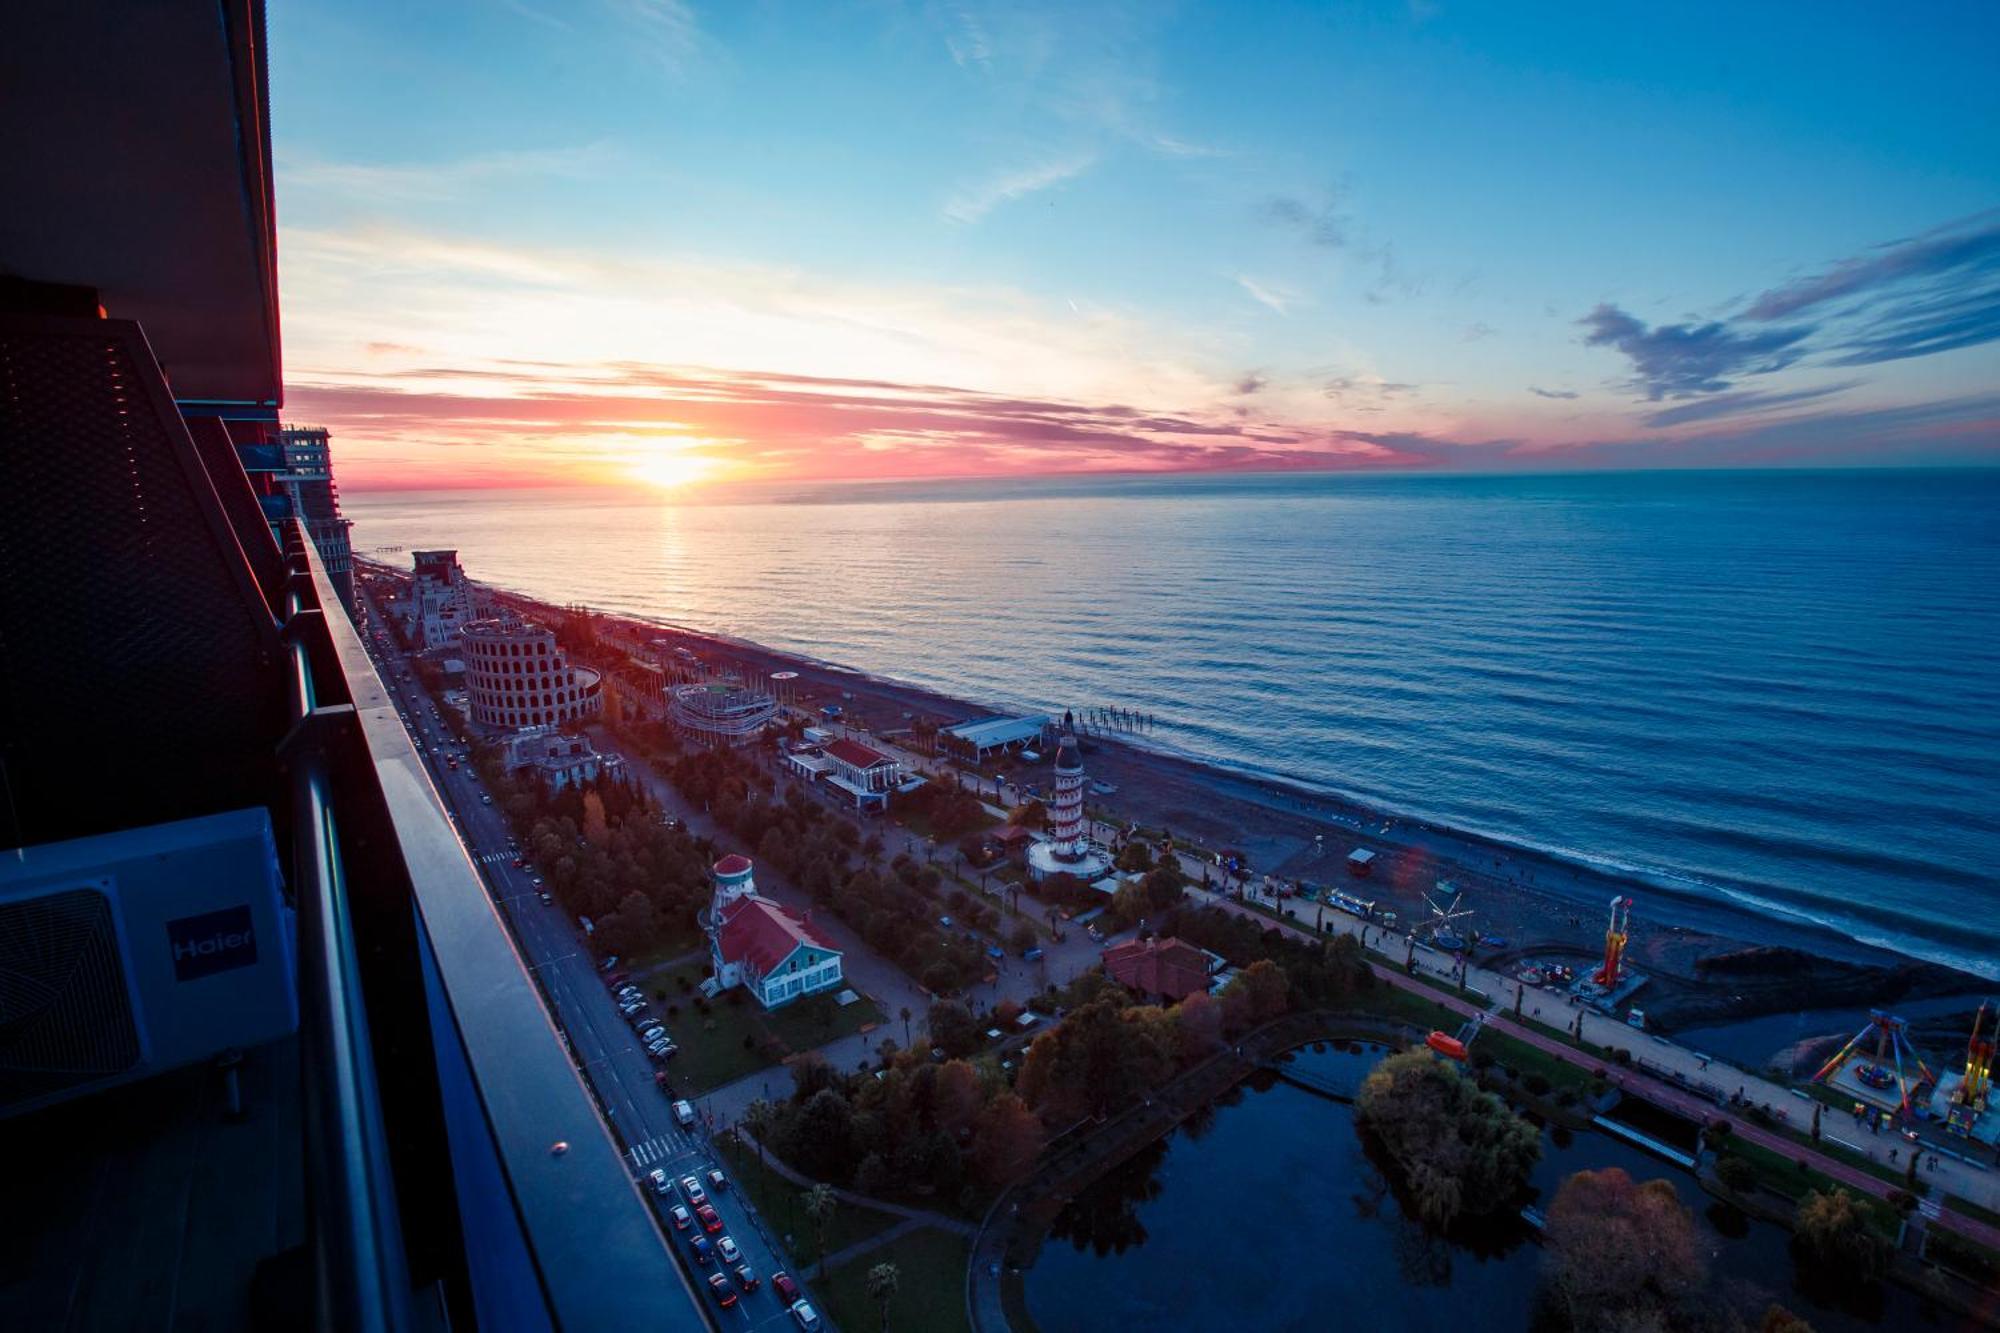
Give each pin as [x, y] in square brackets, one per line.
[1068, 848]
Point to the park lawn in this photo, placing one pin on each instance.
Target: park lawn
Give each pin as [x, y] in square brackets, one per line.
[777, 1201]
[1524, 1059]
[930, 1294]
[712, 1049]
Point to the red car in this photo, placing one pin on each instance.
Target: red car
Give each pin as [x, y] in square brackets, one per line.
[725, 1295]
[710, 1219]
[782, 1284]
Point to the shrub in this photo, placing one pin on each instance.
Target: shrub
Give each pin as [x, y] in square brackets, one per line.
[1736, 1175]
[1537, 1084]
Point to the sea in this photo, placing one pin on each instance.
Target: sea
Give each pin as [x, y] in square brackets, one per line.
[1778, 689]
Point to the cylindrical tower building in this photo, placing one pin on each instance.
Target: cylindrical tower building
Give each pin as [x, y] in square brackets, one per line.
[1068, 849]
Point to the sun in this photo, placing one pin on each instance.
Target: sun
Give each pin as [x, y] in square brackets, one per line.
[670, 471]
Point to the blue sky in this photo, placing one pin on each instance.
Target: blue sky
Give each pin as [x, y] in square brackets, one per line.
[527, 240]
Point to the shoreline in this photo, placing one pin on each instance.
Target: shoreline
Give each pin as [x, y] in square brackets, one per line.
[1547, 905]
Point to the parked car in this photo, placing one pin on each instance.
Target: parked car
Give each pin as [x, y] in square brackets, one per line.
[805, 1315]
[546, 899]
[692, 1189]
[725, 1295]
[726, 1247]
[781, 1282]
[684, 1113]
[683, 1219]
[1030, 955]
[652, 1032]
[995, 952]
[631, 1007]
[711, 1221]
[745, 1277]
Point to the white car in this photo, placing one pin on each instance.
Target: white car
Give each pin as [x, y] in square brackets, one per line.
[658, 1180]
[808, 1318]
[691, 1187]
[684, 1113]
[727, 1249]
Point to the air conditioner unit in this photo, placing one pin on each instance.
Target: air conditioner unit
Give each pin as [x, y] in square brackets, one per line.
[139, 951]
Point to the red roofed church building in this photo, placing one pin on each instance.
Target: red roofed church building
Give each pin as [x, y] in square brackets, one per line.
[1168, 968]
[755, 943]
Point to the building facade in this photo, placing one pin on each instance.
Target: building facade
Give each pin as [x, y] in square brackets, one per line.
[441, 601]
[755, 943]
[517, 676]
[558, 759]
[863, 773]
[291, 471]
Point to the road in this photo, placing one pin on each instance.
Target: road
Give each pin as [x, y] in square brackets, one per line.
[604, 1046]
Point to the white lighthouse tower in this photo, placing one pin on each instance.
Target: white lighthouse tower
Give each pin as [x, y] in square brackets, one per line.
[1068, 848]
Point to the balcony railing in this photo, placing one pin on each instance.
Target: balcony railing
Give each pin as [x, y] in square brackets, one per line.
[456, 1165]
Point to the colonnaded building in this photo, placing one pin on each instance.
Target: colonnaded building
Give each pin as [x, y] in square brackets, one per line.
[517, 676]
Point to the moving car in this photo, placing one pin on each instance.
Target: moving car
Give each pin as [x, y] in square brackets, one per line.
[546, 899]
[745, 1277]
[683, 1219]
[806, 1316]
[692, 1189]
[658, 1180]
[725, 1295]
[711, 1221]
[716, 1180]
[703, 1251]
[781, 1282]
[726, 1247]
[684, 1113]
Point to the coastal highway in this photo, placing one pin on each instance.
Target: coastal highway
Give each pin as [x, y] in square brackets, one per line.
[601, 1041]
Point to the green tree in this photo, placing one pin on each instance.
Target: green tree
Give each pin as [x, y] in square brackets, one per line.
[1833, 1238]
[883, 1280]
[820, 1205]
[952, 1028]
[1460, 1149]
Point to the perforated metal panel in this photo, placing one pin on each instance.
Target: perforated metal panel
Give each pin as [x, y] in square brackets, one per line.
[139, 669]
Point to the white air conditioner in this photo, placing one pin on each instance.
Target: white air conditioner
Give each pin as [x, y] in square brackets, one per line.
[139, 951]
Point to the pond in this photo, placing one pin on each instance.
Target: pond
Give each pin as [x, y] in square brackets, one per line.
[1265, 1209]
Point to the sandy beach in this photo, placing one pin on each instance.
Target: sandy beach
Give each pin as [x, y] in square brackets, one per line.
[1709, 963]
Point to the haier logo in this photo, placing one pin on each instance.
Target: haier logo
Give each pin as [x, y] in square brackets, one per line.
[212, 942]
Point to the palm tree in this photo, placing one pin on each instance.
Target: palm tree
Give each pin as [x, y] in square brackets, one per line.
[906, 1025]
[820, 1204]
[883, 1279]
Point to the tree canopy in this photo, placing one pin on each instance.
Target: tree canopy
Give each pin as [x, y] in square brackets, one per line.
[1461, 1150]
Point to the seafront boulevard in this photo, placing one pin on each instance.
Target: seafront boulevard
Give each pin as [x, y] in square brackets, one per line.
[1661, 1071]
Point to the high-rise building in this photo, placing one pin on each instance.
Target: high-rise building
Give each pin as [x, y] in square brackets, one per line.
[442, 601]
[291, 471]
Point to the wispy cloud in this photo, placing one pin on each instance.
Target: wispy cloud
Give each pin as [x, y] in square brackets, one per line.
[1321, 224]
[667, 30]
[974, 202]
[1477, 331]
[1744, 403]
[1937, 292]
[406, 182]
[1276, 297]
[1552, 393]
[1678, 360]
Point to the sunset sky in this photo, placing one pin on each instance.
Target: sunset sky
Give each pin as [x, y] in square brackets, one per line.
[528, 242]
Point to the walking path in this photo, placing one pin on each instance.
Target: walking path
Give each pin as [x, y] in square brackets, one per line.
[1949, 1176]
